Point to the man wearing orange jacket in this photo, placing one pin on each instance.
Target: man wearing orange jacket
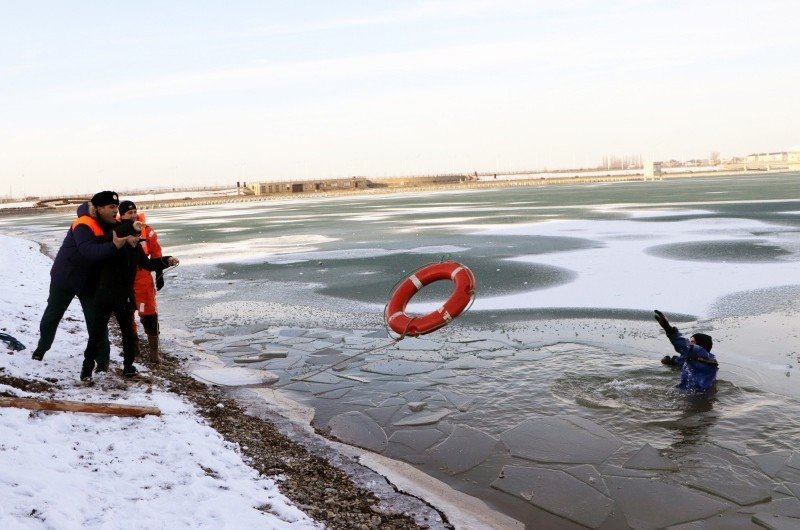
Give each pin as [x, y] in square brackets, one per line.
[143, 287]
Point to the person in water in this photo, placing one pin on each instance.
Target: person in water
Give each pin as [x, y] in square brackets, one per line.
[698, 366]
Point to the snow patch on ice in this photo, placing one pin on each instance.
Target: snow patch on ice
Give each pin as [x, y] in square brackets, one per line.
[621, 274]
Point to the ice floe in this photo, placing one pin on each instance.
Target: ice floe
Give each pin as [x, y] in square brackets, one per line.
[570, 440]
[425, 418]
[358, 429]
[416, 439]
[651, 504]
[649, 458]
[556, 492]
[465, 448]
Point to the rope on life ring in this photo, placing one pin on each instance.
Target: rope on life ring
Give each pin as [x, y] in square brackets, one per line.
[401, 323]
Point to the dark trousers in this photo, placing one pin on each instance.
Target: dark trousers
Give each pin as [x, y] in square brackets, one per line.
[99, 330]
[57, 303]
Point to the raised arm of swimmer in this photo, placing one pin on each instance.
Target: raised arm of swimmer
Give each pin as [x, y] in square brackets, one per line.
[698, 366]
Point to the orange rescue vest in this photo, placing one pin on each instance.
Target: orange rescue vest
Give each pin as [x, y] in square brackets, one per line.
[91, 222]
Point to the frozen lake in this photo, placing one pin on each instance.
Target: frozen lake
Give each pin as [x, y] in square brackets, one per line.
[551, 386]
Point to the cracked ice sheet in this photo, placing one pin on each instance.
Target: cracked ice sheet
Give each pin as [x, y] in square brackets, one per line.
[556, 492]
[416, 439]
[776, 522]
[423, 355]
[649, 504]
[423, 418]
[399, 367]
[468, 362]
[465, 448]
[562, 439]
[648, 458]
[684, 286]
[358, 429]
[414, 343]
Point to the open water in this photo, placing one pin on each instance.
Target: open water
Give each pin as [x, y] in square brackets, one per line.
[549, 389]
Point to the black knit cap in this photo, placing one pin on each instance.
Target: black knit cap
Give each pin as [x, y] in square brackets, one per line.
[126, 206]
[104, 198]
[703, 340]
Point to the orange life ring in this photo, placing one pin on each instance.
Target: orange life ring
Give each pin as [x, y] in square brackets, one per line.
[401, 323]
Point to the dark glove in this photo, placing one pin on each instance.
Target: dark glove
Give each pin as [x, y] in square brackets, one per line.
[159, 281]
[664, 323]
[125, 229]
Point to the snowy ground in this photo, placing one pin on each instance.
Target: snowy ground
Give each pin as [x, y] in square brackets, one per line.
[70, 470]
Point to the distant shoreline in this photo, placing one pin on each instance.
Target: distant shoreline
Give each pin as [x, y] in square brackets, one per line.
[491, 184]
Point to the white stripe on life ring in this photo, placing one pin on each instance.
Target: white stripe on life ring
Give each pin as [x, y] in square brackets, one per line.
[415, 281]
[447, 317]
[456, 271]
[395, 315]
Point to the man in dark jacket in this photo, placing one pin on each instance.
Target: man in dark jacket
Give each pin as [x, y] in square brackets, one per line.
[73, 272]
[53, 319]
[114, 295]
[698, 366]
[143, 286]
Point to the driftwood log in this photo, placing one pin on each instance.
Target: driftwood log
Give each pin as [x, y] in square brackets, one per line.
[78, 406]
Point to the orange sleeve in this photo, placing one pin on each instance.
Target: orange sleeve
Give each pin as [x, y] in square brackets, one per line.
[152, 244]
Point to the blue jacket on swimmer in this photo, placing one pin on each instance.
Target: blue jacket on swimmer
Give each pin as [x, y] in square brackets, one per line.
[698, 366]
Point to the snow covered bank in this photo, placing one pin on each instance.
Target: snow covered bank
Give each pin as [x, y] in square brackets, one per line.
[66, 470]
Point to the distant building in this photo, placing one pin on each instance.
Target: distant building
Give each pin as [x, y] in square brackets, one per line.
[423, 180]
[775, 160]
[307, 186]
[652, 170]
[778, 156]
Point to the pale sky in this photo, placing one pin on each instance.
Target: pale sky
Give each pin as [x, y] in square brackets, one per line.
[123, 95]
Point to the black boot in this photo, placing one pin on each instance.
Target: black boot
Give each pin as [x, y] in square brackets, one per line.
[129, 371]
[152, 344]
[101, 367]
[86, 371]
[38, 355]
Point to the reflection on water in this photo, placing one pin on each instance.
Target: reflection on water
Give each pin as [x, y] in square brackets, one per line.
[692, 427]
